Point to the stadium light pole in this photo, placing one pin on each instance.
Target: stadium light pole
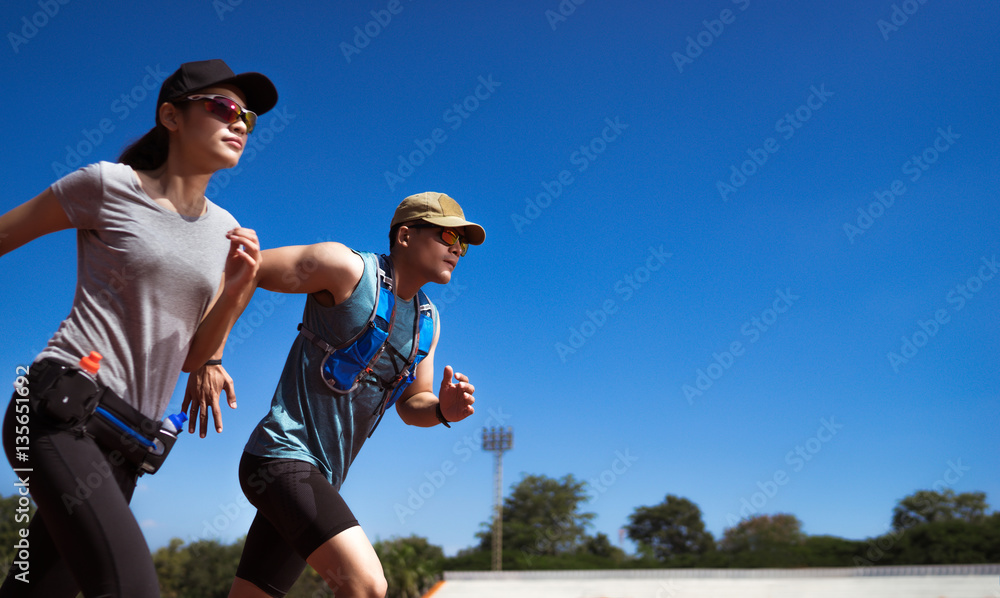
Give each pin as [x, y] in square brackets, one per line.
[498, 440]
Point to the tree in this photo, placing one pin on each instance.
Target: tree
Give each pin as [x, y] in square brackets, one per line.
[930, 506]
[601, 546]
[542, 517]
[761, 531]
[202, 569]
[948, 542]
[829, 551]
[764, 541]
[171, 564]
[672, 532]
[411, 565]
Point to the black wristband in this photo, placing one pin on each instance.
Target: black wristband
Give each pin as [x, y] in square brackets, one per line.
[214, 362]
[437, 411]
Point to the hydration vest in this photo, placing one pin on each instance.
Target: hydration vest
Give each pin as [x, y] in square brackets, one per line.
[350, 365]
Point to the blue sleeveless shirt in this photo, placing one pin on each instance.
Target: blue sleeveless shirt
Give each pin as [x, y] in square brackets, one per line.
[309, 422]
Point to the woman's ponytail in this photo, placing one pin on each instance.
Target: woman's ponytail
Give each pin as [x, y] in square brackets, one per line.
[149, 152]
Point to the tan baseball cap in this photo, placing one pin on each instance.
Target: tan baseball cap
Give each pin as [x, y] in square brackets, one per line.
[439, 209]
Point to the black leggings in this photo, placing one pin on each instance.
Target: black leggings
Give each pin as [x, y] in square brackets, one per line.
[298, 510]
[83, 536]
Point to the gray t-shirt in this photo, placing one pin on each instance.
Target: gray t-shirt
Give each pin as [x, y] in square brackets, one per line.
[145, 276]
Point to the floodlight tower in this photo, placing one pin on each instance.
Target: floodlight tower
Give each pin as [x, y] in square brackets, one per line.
[498, 440]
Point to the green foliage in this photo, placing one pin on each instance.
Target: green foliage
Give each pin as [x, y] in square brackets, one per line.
[544, 529]
[929, 506]
[411, 565]
[952, 541]
[828, 551]
[672, 532]
[202, 569]
[762, 532]
[542, 517]
[765, 541]
[476, 559]
[600, 546]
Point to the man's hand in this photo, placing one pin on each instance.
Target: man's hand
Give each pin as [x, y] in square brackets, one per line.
[204, 387]
[456, 397]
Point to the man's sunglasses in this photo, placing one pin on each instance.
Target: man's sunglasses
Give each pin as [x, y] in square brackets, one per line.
[448, 236]
[226, 109]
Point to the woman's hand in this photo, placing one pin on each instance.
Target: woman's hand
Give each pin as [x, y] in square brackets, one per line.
[204, 388]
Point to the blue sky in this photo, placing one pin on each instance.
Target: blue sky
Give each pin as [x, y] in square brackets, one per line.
[739, 252]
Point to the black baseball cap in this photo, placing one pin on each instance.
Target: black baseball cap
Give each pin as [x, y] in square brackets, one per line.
[193, 76]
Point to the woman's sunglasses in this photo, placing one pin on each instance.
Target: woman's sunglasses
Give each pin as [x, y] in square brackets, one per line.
[226, 109]
[448, 237]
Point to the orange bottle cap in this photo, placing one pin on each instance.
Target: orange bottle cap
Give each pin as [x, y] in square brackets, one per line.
[92, 362]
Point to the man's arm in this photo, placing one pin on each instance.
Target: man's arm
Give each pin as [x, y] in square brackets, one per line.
[419, 405]
[328, 267]
[331, 267]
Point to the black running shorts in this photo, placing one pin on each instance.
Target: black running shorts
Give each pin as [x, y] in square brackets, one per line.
[297, 511]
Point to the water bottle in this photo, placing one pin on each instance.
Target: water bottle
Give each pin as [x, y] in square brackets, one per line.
[174, 423]
[164, 441]
[169, 430]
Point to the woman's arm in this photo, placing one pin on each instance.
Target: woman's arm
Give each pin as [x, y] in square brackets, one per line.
[315, 268]
[34, 218]
[298, 269]
[236, 290]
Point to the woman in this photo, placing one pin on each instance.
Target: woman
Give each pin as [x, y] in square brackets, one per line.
[366, 342]
[188, 270]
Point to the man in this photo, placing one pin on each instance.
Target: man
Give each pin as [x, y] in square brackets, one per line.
[367, 340]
